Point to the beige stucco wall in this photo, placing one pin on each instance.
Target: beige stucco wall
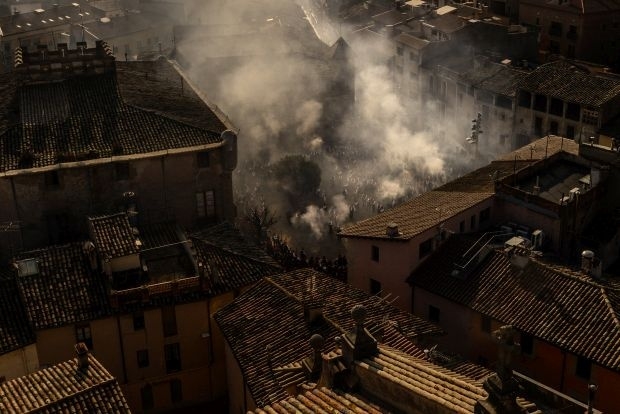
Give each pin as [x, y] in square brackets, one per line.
[165, 187]
[19, 362]
[397, 259]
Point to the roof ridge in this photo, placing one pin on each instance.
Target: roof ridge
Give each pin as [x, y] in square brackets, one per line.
[102, 378]
[610, 307]
[564, 272]
[230, 251]
[168, 117]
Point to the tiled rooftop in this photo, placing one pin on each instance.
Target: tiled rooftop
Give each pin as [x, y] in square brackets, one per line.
[113, 235]
[571, 83]
[156, 86]
[15, 329]
[64, 291]
[226, 237]
[146, 107]
[49, 18]
[416, 215]
[541, 148]
[271, 313]
[456, 392]
[420, 213]
[494, 77]
[411, 41]
[63, 388]
[320, 400]
[565, 308]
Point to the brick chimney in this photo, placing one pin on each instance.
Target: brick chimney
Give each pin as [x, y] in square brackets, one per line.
[359, 343]
[81, 351]
[313, 363]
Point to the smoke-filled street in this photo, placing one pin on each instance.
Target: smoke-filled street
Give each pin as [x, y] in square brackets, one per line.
[334, 104]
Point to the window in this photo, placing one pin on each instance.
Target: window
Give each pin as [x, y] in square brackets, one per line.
[52, 180]
[83, 334]
[462, 227]
[554, 47]
[538, 125]
[169, 320]
[570, 131]
[433, 314]
[540, 103]
[375, 286]
[503, 102]
[172, 353]
[553, 128]
[426, 247]
[176, 391]
[472, 222]
[399, 50]
[573, 111]
[485, 215]
[570, 53]
[143, 358]
[146, 394]
[525, 99]
[555, 29]
[413, 56]
[374, 253]
[485, 324]
[203, 159]
[205, 204]
[584, 368]
[527, 344]
[556, 107]
[121, 170]
[138, 321]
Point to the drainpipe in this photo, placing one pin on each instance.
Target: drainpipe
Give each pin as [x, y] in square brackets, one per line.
[120, 342]
[563, 371]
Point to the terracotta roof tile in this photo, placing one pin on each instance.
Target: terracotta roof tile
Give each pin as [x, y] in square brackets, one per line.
[113, 235]
[416, 215]
[560, 306]
[15, 329]
[271, 313]
[420, 213]
[570, 82]
[64, 291]
[64, 388]
[100, 116]
[544, 146]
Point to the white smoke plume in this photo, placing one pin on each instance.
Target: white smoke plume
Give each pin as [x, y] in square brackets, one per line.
[266, 69]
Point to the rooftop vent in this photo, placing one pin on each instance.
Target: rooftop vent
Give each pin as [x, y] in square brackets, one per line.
[28, 267]
[392, 230]
[590, 264]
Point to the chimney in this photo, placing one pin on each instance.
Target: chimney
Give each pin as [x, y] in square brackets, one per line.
[590, 264]
[81, 351]
[313, 364]
[519, 257]
[91, 254]
[392, 230]
[359, 344]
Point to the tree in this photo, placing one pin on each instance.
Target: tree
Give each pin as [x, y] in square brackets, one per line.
[297, 175]
[259, 219]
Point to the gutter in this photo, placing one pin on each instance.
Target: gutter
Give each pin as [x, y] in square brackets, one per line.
[109, 160]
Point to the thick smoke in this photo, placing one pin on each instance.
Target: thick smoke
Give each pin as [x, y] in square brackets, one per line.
[268, 71]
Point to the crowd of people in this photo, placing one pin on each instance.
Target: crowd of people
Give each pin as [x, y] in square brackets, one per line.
[291, 259]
